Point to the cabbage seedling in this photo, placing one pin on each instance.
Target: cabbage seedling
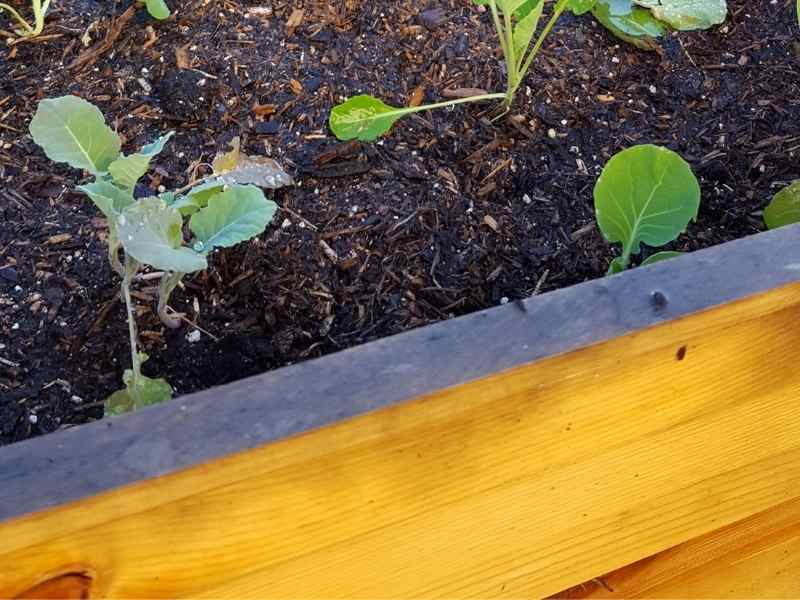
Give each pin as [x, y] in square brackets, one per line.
[223, 210]
[645, 194]
[366, 118]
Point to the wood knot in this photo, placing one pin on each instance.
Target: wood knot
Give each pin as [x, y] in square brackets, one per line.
[66, 586]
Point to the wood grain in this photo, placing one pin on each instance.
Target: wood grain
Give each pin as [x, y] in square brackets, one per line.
[517, 485]
[758, 557]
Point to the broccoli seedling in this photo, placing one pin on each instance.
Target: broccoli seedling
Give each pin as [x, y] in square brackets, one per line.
[366, 118]
[222, 210]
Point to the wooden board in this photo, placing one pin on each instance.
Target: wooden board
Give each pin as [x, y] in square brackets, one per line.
[515, 482]
[758, 557]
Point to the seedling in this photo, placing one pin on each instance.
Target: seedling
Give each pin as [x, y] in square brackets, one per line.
[516, 21]
[639, 22]
[25, 29]
[158, 9]
[223, 210]
[645, 194]
[784, 209]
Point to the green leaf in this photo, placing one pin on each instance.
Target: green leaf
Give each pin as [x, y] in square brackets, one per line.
[645, 194]
[659, 256]
[617, 266]
[127, 170]
[638, 27]
[363, 118]
[137, 394]
[525, 28]
[158, 9]
[618, 8]
[150, 231]
[232, 216]
[108, 198]
[784, 209]
[686, 15]
[506, 6]
[579, 7]
[72, 130]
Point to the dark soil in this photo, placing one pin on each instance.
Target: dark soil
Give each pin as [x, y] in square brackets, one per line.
[449, 214]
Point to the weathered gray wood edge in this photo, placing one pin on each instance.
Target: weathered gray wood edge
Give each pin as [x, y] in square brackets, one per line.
[89, 459]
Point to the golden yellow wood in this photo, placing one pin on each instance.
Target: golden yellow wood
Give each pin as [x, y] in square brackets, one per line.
[758, 557]
[518, 485]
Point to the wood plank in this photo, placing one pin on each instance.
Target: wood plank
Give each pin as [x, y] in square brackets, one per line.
[519, 484]
[758, 557]
[247, 414]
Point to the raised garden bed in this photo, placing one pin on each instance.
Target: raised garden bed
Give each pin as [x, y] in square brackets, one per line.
[514, 452]
[448, 215]
[632, 435]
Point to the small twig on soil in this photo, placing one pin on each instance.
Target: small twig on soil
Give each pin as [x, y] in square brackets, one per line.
[297, 216]
[329, 252]
[101, 318]
[496, 170]
[183, 318]
[541, 282]
[8, 363]
[149, 276]
[90, 56]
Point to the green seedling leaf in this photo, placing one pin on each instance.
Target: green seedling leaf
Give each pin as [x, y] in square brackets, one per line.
[525, 28]
[137, 394]
[687, 15]
[638, 27]
[108, 198]
[784, 208]
[659, 256]
[580, 7]
[197, 197]
[645, 194]
[363, 118]
[234, 167]
[232, 216]
[158, 9]
[150, 231]
[127, 170]
[506, 6]
[73, 131]
[525, 9]
[618, 8]
[617, 266]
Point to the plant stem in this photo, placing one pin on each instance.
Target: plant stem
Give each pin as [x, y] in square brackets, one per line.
[511, 61]
[500, 33]
[425, 107]
[559, 8]
[27, 29]
[39, 11]
[626, 257]
[169, 281]
[131, 267]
